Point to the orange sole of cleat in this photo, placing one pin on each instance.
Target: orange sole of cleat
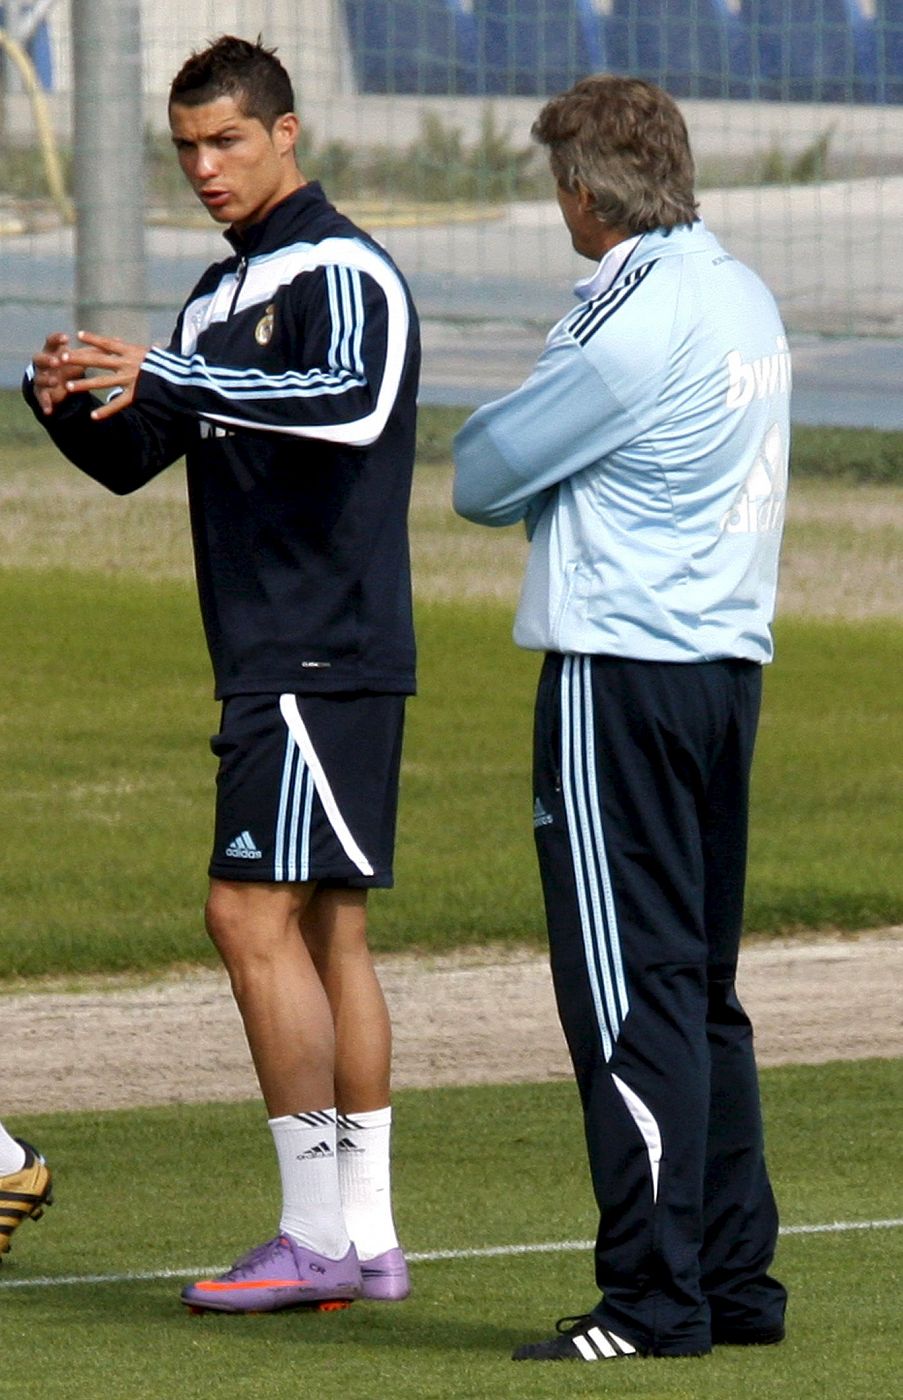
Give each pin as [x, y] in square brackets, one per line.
[328, 1305]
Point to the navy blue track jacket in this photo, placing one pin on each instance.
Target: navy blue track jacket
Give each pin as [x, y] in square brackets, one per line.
[290, 386]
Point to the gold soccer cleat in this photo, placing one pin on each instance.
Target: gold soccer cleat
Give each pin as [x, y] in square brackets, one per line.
[24, 1194]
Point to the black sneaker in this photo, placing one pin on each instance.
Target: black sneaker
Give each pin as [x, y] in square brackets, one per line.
[579, 1339]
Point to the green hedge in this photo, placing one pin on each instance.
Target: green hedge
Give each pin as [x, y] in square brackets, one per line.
[847, 455]
[829, 454]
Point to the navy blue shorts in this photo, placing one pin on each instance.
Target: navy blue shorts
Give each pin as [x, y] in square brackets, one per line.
[307, 788]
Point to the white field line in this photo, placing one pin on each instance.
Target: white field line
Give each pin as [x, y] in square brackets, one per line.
[836, 1227]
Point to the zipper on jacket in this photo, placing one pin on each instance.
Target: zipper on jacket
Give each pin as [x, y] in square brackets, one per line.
[240, 274]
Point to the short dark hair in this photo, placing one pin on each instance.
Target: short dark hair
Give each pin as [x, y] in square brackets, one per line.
[231, 67]
[625, 141]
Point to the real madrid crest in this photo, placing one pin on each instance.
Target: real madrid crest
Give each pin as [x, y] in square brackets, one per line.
[263, 331]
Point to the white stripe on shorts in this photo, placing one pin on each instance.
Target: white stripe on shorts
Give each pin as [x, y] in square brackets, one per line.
[288, 707]
[291, 856]
[286, 802]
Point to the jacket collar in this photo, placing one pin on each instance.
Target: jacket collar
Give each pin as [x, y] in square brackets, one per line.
[270, 233]
[633, 252]
[607, 270]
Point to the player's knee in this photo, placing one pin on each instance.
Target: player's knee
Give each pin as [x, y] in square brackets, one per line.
[252, 924]
[226, 918]
[212, 918]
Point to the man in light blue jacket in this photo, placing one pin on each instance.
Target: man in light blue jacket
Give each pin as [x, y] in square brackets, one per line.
[647, 455]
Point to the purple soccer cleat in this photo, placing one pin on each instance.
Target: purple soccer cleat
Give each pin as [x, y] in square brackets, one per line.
[385, 1279]
[275, 1275]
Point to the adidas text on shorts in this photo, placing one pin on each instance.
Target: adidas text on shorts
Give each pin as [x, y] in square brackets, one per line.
[307, 788]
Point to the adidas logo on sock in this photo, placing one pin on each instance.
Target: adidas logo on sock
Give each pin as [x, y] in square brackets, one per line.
[540, 816]
[347, 1145]
[244, 848]
[322, 1149]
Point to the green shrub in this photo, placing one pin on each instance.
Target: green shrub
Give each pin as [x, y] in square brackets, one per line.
[847, 455]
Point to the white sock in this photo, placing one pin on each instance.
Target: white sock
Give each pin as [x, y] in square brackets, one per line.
[12, 1154]
[311, 1201]
[365, 1180]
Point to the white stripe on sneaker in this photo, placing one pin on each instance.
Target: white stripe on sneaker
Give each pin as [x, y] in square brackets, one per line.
[602, 1343]
[585, 1348]
[598, 1344]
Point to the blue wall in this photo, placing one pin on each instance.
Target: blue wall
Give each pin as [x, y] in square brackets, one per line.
[786, 50]
[38, 49]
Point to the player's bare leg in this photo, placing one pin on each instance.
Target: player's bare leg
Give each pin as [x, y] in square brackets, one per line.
[334, 926]
[288, 1022]
[285, 1010]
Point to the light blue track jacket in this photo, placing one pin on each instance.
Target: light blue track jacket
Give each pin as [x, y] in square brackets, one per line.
[647, 453]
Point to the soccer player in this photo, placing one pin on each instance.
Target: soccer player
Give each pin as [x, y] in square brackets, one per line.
[290, 385]
[647, 454]
[25, 1186]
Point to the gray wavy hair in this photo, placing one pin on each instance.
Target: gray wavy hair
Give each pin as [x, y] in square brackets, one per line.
[625, 141]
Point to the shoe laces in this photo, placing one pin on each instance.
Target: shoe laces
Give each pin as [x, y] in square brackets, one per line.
[568, 1325]
[254, 1256]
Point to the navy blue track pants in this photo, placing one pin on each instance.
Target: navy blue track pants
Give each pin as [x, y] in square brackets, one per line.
[641, 783]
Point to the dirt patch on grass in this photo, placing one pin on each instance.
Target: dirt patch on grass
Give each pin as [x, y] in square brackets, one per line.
[841, 557]
[470, 1018]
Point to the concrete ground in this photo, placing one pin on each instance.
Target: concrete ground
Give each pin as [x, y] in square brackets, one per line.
[489, 288]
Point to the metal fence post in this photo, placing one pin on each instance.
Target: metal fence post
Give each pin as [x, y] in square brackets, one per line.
[109, 180]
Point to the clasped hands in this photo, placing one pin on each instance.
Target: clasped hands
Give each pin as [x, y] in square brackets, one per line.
[61, 370]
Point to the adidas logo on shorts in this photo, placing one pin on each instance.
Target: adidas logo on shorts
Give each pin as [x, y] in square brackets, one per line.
[244, 848]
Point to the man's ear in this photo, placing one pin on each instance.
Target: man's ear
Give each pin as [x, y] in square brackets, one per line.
[285, 132]
[585, 198]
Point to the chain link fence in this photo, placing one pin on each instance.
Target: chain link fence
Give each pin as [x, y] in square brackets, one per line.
[416, 118]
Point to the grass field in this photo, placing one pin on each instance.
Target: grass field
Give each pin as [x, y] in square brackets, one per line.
[148, 1193]
[105, 797]
[106, 781]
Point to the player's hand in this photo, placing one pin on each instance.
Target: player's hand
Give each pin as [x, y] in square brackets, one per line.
[118, 362]
[51, 374]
